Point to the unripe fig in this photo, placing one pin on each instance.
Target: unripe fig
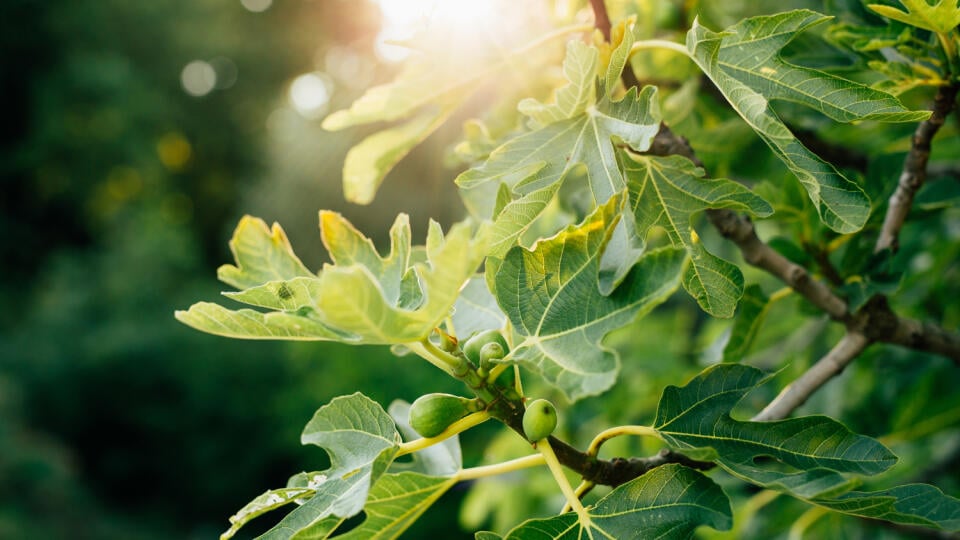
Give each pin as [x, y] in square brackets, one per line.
[490, 352]
[471, 349]
[433, 413]
[539, 420]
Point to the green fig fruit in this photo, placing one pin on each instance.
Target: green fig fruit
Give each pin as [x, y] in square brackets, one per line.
[433, 413]
[539, 420]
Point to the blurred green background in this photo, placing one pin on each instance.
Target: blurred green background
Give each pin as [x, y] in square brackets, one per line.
[136, 135]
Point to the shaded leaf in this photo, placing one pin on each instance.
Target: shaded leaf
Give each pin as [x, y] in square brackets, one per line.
[517, 216]
[750, 316]
[551, 296]
[668, 502]
[666, 192]
[813, 449]
[745, 65]
[912, 504]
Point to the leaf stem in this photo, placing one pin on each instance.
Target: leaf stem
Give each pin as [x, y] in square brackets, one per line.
[799, 528]
[435, 355]
[950, 50]
[484, 471]
[584, 488]
[659, 44]
[607, 434]
[463, 424]
[496, 371]
[543, 445]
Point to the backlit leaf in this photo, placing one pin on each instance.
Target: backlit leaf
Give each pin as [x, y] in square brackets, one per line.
[942, 17]
[391, 300]
[584, 137]
[369, 161]
[262, 254]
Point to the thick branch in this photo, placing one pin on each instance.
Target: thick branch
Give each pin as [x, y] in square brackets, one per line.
[879, 323]
[915, 168]
[797, 392]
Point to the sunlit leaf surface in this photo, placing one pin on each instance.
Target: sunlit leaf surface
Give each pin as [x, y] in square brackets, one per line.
[552, 298]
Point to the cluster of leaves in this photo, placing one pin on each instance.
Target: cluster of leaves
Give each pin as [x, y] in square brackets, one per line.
[581, 230]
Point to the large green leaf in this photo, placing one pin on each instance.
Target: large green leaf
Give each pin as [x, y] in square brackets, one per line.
[578, 130]
[666, 192]
[395, 502]
[361, 440]
[751, 314]
[912, 504]
[361, 298]
[552, 298]
[942, 17]
[918, 505]
[814, 449]
[668, 502]
[744, 63]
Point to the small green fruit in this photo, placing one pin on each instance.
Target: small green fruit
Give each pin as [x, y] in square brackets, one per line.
[433, 413]
[539, 420]
[471, 349]
[490, 352]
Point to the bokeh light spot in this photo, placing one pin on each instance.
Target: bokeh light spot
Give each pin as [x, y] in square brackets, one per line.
[174, 151]
[198, 78]
[257, 6]
[310, 94]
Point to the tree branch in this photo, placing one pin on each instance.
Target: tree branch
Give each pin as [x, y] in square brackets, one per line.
[600, 17]
[878, 322]
[740, 231]
[797, 392]
[915, 168]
